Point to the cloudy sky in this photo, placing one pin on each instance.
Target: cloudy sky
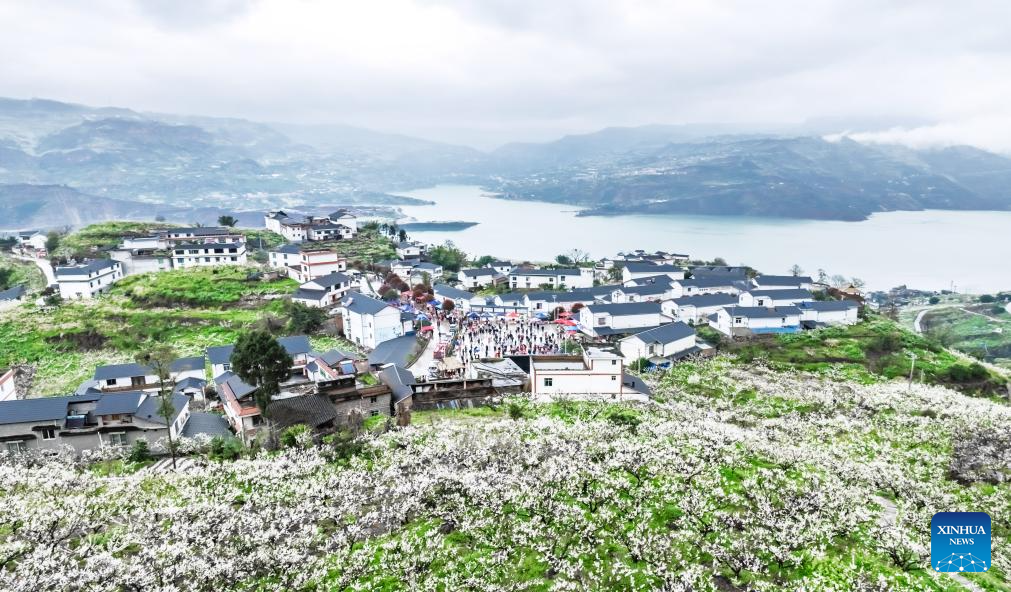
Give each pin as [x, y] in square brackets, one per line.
[484, 72]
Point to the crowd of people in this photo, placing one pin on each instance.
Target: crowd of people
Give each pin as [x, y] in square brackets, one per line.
[498, 336]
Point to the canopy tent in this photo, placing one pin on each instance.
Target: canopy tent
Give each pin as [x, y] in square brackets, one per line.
[513, 315]
[473, 315]
[426, 328]
[565, 314]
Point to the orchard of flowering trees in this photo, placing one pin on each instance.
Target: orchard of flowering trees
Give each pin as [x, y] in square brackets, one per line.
[732, 479]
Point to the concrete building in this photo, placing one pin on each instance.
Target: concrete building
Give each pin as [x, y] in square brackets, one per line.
[774, 297]
[89, 279]
[529, 279]
[633, 270]
[594, 373]
[604, 320]
[830, 312]
[208, 254]
[8, 391]
[369, 322]
[660, 345]
[745, 321]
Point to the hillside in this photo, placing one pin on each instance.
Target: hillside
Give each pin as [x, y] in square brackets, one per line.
[794, 177]
[737, 478]
[190, 163]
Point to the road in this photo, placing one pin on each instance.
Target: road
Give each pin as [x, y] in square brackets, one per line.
[919, 317]
[420, 366]
[44, 265]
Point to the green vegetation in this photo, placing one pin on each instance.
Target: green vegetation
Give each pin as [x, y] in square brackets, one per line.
[200, 286]
[366, 248]
[261, 238]
[449, 256]
[15, 272]
[982, 331]
[872, 349]
[189, 309]
[98, 237]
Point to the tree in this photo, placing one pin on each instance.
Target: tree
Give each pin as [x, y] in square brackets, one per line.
[934, 300]
[304, 319]
[838, 280]
[262, 362]
[402, 235]
[614, 274]
[578, 256]
[720, 261]
[563, 260]
[822, 276]
[483, 260]
[52, 241]
[229, 221]
[448, 256]
[796, 270]
[448, 305]
[858, 283]
[159, 359]
[987, 298]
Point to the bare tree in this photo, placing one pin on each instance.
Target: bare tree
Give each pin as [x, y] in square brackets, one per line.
[159, 360]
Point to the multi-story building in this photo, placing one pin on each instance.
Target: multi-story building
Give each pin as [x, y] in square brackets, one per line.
[88, 279]
[338, 225]
[369, 322]
[186, 255]
[529, 279]
[596, 372]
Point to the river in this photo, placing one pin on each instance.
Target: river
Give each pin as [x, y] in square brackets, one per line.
[929, 249]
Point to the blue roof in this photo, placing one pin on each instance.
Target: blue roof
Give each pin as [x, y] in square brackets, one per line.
[122, 371]
[33, 410]
[188, 364]
[149, 408]
[362, 304]
[14, 293]
[92, 266]
[394, 351]
[295, 344]
[627, 308]
[221, 354]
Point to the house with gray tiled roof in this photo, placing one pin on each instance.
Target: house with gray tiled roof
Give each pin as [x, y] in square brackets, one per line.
[88, 279]
[531, 279]
[774, 297]
[744, 321]
[605, 320]
[638, 269]
[369, 322]
[660, 345]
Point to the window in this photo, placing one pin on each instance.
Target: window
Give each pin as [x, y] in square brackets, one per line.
[117, 439]
[614, 377]
[372, 400]
[137, 381]
[111, 382]
[16, 447]
[738, 320]
[374, 413]
[601, 322]
[614, 362]
[549, 382]
[48, 433]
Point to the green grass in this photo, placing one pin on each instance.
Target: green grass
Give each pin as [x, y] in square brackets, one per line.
[187, 309]
[22, 272]
[875, 347]
[986, 335]
[368, 246]
[105, 235]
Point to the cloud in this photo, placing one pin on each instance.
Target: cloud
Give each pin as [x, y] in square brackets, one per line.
[488, 71]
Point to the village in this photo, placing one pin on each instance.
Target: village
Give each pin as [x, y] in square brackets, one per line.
[419, 336]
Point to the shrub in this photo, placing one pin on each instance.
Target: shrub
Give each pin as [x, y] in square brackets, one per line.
[934, 300]
[987, 298]
[140, 451]
[225, 448]
[296, 436]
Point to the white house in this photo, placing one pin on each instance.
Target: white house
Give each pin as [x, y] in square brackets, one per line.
[501, 267]
[316, 263]
[408, 249]
[645, 293]
[602, 320]
[659, 345]
[88, 279]
[338, 225]
[323, 291]
[638, 269]
[208, 254]
[528, 279]
[125, 377]
[284, 257]
[755, 320]
[142, 255]
[297, 346]
[706, 285]
[199, 234]
[461, 299]
[830, 312]
[696, 309]
[776, 297]
[32, 240]
[782, 282]
[594, 373]
[477, 278]
[369, 322]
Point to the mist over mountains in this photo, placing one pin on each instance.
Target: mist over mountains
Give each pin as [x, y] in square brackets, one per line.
[71, 164]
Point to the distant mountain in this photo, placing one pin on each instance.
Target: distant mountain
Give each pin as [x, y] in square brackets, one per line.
[205, 162]
[795, 177]
[118, 158]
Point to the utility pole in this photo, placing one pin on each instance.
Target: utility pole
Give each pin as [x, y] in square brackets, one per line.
[912, 366]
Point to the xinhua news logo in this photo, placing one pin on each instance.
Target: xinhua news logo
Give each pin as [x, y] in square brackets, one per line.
[960, 541]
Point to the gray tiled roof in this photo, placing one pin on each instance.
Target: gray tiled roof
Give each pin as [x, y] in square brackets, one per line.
[480, 272]
[393, 351]
[782, 280]
[188, 364]
[828, 305]
[149, 408]
[295, 344]
[119, 403]
[92, 266]
[628, 308]
[704, 300]
[644, 267]
[309, 294]
[362, 304]
[209, 424]
[35, 410]
[760, 312]
[667, 333]
[447, 291]
[122, 371]
[787, 294]
[221, 354]
[544, 272]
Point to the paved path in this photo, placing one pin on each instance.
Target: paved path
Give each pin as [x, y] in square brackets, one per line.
[44, 265]
[919, 317]
[164, 465]
[420, 366]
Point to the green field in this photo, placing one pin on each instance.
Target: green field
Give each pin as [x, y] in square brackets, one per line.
[14, 272]
[367, 247]
[978, 330]
[187, 309]
[876, 348]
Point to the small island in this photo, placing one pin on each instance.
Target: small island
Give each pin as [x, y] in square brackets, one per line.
[444, 225]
